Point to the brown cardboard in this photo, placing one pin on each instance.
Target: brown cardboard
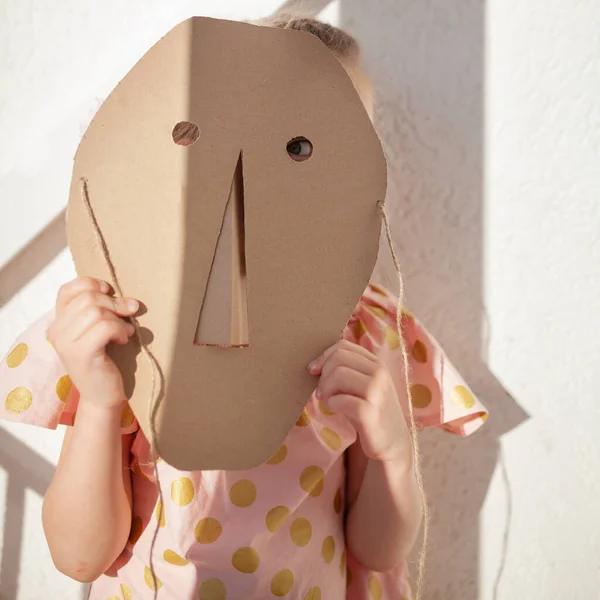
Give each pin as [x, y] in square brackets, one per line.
[310, 229]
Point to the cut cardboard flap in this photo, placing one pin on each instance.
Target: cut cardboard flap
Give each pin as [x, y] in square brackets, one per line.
[228, 241]
[224, 314]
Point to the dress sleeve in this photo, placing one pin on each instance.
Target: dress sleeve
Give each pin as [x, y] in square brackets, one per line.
[440, 397]
[34, 386]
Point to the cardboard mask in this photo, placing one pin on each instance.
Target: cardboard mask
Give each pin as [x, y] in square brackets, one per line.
[248, 260]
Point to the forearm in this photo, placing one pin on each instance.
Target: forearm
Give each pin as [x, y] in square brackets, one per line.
[87, 509]
[384, 520]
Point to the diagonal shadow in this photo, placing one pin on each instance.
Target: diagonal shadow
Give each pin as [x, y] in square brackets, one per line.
[33, 258]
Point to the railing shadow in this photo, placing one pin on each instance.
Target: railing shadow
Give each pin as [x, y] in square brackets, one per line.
[25, 469]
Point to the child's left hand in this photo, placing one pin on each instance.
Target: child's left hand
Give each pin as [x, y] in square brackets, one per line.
[355, 383]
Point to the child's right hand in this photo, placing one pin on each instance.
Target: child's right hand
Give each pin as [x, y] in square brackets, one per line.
[87, 319]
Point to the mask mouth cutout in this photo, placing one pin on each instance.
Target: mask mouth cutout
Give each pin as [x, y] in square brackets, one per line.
[223, 319]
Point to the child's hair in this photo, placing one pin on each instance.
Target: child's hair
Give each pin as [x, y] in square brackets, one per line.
[341, 43]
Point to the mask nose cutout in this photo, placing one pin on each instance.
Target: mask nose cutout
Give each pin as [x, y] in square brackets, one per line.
[223, 319]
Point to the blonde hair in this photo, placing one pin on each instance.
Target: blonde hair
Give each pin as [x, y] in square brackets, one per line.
[341, 43]
[347, 50]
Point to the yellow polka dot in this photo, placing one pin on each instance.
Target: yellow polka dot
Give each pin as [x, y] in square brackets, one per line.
[392, 338]
[127, 416]
[208, 530]
[420, 395]
[359, 329]
[137, 528]
[378, 311]
[17, 356]
[303, 419]
[174, 559]
[324, 410]
[348, 577]
[419, 352]
[331, 438]
[407, 313]
[160, 513]
[182, 491]
[311, 480]
[245, 560]
[337, 501]
[242, 493]
[484, 416]
[114, 598]
[63, 388]
[282, 583]
[328, 549]
[212, 589]
[279, 456]
[313, 594]
[18, 401]
[377, 289]
[301, 532]
[127, 595]
[276, 517]
[462, 397]
[150, 580]
[375, 589]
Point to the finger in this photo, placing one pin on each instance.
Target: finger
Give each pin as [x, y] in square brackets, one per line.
[352, 360]
[124, 307]
[106, 331]
[355, 409]
[316, 365]
[82, 284]
[94, 316]
[343, 380]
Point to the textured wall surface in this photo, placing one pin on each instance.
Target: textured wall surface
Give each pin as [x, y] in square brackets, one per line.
[490, 114]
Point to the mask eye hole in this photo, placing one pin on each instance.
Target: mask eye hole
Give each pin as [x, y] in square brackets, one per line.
[299, 149]
[185, 133]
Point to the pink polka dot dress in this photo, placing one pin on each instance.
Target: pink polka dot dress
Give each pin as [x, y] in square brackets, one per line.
[276, 531]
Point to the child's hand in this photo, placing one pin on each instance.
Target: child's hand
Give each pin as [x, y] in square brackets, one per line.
[356, 384]
[87, 319]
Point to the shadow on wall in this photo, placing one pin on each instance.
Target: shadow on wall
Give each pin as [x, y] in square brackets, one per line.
[33, 258]
[427, 63]
[25, 470]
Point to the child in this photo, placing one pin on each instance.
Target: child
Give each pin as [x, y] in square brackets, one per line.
[333, 514]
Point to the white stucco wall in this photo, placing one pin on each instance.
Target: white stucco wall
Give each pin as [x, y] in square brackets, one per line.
[490, 115]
